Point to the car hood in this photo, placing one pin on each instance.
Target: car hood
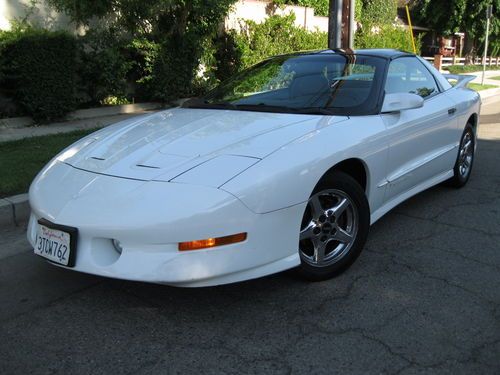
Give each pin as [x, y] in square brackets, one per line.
[166, 144]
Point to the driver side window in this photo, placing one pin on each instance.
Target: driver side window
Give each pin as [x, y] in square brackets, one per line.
[409, 75]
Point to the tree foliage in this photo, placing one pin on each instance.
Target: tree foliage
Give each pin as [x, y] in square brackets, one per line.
[378, 12]
[160, 18]
[450, 16]
[377, 29]
[320, 6]
[375, 11]
[179, 27]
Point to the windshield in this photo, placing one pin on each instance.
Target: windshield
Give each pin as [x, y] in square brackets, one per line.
[326, 84]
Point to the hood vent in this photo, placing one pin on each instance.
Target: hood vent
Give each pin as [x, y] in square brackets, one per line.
[147, 166]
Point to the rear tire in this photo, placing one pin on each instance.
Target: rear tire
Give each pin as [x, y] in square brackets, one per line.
[334, 227]
[465, 158]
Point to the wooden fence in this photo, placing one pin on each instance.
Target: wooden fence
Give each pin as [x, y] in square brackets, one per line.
[441, 62]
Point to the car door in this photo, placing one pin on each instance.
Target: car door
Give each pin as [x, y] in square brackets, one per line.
[421, 140]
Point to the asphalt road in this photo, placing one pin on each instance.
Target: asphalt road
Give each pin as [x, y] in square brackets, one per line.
[423, 298]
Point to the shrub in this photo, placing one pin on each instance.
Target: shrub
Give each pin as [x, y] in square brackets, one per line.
[143, 54]
[387, 36]
[38, 72]
[47, 74]
[227, 55]
[232, 51]
[175, 68]
[104, 66]
[277, 35]
[8, 107]
[115, 100]
[378, 12]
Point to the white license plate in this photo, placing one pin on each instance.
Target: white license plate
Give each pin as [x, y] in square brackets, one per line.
[53, 244]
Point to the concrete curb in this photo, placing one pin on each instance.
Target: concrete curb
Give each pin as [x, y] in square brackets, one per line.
[489, 93]
[82, 114]
[14, 210]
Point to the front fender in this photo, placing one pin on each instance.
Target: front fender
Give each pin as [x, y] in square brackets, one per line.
[288, 176]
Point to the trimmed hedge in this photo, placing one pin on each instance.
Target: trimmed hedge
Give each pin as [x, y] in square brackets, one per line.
[39, 72]
[458, 69]
[46, 74]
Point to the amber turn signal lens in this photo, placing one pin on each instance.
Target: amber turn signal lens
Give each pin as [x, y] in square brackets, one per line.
[212, 242]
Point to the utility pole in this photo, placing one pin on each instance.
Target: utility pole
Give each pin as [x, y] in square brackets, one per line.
[489, 12]
[341, 24]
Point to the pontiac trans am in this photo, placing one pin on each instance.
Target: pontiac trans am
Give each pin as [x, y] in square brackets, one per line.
[284, 165]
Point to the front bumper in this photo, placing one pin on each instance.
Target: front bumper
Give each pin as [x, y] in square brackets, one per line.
[150, 219]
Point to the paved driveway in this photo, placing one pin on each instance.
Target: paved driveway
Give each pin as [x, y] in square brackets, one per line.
[424, 298]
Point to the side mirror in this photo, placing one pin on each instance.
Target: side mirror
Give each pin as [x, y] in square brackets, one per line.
[401, 101]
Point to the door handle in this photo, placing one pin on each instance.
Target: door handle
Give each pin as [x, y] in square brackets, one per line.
[452, 111]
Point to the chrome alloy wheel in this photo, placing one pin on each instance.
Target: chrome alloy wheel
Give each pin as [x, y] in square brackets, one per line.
[466, 154]
[329, 228]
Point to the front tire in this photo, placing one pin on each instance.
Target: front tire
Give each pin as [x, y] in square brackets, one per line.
[334, 227]
[465, 158]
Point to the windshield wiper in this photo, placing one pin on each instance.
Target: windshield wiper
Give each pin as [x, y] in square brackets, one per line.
[280, 109]
[202, 103]
[317, 111]
[265, 107]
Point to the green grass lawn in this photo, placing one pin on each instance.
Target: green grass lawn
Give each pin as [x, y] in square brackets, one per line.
[21, 160]
[479, 87]
[497, 78]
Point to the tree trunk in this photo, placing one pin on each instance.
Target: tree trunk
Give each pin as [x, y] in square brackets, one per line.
[469, 50]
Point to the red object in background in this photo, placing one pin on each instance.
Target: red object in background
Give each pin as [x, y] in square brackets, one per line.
[446, 46]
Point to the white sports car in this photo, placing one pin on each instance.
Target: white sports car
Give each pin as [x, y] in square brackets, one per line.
[284, 165]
